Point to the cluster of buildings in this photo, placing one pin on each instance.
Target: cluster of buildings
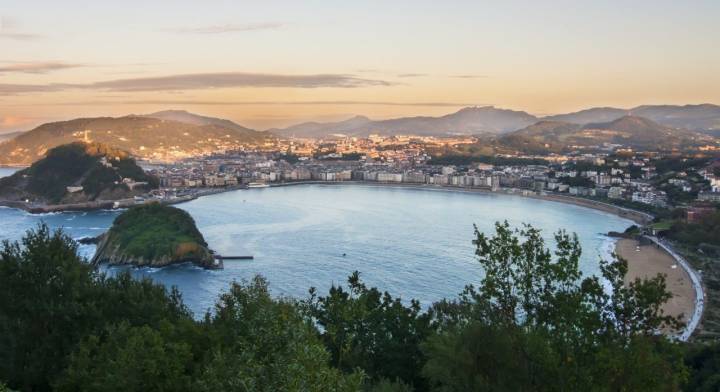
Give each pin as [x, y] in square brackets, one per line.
[615, 178]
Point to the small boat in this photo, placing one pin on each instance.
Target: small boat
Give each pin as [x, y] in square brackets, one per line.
[258, 185]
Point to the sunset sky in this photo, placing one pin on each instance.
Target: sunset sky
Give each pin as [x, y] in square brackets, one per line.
[272, 63]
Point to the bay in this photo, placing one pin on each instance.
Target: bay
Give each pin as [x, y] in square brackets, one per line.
[414, 243]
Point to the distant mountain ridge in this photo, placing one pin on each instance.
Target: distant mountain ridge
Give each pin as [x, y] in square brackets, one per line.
[186, 117]
[587, 116]
[466, 121]
[488, 119]
[317, 129]
[9, 135]
[703, 117]
[629, 130]
[176, 134]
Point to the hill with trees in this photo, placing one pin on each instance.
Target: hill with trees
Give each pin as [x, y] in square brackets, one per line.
[143, 137]
[153, 235]
[76, 173]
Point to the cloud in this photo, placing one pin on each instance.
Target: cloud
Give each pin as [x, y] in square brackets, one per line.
[14, 89]
[227, 28]
[206, 81]
[412, 75]
[278, 103]
[12, 121]
[19, 36]
[36, 67]
[469, 76]
[8, 31]
[235, 79]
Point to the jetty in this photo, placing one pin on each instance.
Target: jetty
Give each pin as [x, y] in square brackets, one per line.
[221, 257]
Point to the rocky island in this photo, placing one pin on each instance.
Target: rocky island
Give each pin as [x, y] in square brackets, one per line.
[154, 235]
[76, 176]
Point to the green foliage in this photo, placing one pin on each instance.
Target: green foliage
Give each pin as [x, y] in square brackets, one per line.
[263, 344]
[45, 290]
[65, 327]
[484, 357]
[364, 328]
[386, 385]
[50, 299]
[128, 358]
[100, 178]
[4, 388]
[128, 168]
[62, 167]
[578, 181]
[154, 230]
[677, 196]
[704, 231]
[666, 165]
[535, 324]
[704, 361]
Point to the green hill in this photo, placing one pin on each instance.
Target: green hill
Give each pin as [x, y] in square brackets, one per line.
[95, 171]
[153, 235]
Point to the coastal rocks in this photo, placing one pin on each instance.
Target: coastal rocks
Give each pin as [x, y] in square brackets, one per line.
[112, 254]
[154, 235]
[89, 240]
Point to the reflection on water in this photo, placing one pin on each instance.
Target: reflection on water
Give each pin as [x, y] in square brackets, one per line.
[413, 243]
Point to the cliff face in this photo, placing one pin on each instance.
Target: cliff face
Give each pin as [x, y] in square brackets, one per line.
[154, 235]
[110, 252]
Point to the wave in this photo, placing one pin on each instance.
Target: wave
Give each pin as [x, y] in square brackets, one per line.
[606, 252]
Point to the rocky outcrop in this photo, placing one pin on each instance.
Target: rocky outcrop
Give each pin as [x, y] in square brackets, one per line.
[111, 253]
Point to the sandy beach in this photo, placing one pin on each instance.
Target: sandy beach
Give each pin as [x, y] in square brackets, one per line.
[650, 261]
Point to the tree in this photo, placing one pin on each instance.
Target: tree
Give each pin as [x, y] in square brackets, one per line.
[535, 324]
[51, 299]
[364, 328]
[45, 291]
[704, 361]
[265, 344]
[127, 358]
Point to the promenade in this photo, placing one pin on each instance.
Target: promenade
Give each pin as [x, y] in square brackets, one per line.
[694, 320]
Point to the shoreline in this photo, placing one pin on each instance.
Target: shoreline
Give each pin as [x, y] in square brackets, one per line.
[632, 215]
[638, 217]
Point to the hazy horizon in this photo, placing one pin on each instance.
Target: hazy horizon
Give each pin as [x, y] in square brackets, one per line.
[279, 63]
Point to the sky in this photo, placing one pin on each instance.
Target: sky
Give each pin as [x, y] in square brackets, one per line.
[275, 63]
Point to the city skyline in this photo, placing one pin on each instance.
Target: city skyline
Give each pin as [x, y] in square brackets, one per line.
[282, 63]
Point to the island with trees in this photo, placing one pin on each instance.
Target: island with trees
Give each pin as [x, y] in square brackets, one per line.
[154, 235]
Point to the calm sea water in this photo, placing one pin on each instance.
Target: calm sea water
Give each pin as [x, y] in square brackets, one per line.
[413, 243]
[6, 171]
